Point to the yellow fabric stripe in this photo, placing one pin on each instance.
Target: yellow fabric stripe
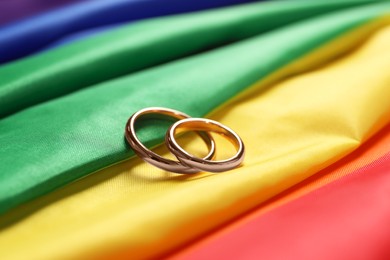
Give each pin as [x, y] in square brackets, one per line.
[291, 131]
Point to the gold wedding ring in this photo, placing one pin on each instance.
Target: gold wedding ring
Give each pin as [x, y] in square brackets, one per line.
[187, 163]
[201, 124]
[153, 158]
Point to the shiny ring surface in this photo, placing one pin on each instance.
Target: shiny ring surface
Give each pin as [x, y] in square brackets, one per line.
[207, 125]
[155, 159]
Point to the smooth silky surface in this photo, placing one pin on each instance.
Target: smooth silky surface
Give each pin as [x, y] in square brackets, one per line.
[236, 232]
[83, 132]
[347, 219]
[88, 33]
[134, 211]
[370, 151]
[48, 27]
[74, 37]
[12, 10]
[149, 43]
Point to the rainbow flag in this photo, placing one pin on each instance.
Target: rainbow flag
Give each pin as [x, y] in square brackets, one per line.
[306, 85]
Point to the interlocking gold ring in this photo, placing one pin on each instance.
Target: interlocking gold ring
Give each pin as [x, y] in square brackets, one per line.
[207, 125]
[155, 159]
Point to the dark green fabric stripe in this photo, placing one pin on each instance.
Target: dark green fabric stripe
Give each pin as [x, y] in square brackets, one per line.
[49, 145]
[142, 45]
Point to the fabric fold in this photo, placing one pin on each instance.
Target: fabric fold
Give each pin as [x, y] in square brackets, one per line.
[139, 46]
[45, 28]
[320, 223]
[83, 132]
[370, 153]
[293, 129]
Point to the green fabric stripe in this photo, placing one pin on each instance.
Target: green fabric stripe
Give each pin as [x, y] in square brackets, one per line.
[49, 145]
[141, 45]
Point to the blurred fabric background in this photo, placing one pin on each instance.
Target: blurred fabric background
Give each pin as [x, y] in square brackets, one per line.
[14, 10]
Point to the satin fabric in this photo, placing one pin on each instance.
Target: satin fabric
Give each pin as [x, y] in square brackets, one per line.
[83, 132]
[48, 27]
[92, 32]
[12, 10]
[134, 211]
[347, 219]
[74, 37]
[236, 232]
[367, 153]
[136, 47]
